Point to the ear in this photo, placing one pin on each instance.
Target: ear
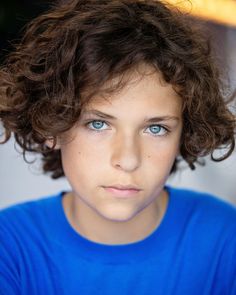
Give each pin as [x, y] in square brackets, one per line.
[50, 143]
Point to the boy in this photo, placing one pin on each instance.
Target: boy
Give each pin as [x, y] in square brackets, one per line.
[110, 93]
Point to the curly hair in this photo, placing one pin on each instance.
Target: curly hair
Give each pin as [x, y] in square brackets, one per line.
[68, 54]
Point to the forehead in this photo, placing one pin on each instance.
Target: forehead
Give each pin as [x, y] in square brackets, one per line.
[142, 89]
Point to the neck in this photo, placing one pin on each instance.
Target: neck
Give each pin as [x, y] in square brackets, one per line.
[98, 229]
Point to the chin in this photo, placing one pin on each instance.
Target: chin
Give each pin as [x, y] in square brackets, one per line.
[118, 215]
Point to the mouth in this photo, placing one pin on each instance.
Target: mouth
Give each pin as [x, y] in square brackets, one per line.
[122, 191]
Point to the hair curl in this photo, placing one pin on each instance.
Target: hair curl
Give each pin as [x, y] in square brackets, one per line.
[68, 54]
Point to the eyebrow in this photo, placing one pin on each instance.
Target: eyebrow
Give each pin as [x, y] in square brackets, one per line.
[148, 120]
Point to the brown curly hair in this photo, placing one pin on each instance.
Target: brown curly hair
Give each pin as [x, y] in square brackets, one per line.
[69, 53]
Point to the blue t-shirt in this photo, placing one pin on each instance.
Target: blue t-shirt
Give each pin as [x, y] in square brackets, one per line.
[193, 251]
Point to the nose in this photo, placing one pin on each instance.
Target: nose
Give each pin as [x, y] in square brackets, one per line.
[126, 154]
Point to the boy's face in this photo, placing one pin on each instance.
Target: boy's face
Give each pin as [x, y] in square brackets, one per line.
[123, 149]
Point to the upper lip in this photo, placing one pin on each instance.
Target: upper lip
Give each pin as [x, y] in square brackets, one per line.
[123, 187]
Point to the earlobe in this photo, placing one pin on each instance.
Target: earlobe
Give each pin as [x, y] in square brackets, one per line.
[53, 144]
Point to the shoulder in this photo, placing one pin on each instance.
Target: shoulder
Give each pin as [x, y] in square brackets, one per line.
[207, 232]
[206, 210]
[24, 215]
[202, 200]
[38, 203]
[25, 230]
[28, 223]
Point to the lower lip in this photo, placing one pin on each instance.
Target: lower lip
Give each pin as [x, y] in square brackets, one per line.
[122, 193]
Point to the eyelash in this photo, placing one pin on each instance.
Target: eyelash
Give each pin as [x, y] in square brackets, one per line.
[165, 129]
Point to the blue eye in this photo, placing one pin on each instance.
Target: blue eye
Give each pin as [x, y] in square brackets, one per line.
[97, 125]
[157, 130]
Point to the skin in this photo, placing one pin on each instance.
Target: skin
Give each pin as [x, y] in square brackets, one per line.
[123, 148]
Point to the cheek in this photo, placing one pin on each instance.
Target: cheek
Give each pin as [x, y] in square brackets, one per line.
[160, 158]
[83, 160]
